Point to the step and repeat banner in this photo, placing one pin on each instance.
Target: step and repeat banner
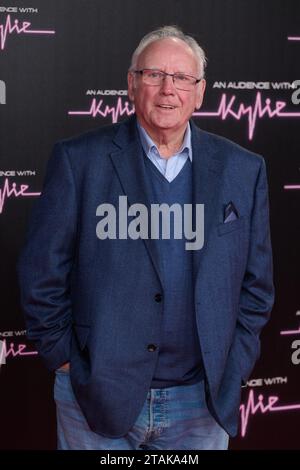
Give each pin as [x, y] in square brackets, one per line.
[63, 66]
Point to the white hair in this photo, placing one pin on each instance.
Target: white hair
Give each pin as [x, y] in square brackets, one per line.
[170, 32]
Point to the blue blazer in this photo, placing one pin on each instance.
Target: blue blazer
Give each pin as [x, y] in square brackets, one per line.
[92, 302]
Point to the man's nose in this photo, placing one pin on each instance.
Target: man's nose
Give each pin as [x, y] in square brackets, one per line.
[167, 85]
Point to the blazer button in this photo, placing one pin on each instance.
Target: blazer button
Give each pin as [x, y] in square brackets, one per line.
[151, 347]
[158, 297]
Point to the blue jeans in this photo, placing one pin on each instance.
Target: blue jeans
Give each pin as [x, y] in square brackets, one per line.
[174, 418]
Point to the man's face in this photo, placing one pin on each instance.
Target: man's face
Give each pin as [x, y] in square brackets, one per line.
[163, 107]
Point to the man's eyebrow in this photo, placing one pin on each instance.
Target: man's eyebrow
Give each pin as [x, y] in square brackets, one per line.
[161, 70]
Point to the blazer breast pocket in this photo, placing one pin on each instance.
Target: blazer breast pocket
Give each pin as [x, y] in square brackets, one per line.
[229, 227]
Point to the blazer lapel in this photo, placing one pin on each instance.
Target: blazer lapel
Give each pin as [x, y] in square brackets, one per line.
[207, 167]
[129, 164]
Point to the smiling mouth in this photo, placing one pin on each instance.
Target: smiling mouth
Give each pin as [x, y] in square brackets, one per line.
[165, 106]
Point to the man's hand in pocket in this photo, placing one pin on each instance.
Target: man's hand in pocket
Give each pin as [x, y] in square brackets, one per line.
[65, 367]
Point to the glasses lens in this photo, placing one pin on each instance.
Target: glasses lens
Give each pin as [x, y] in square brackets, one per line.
[183, 82]
[153, 77]
[156, 77]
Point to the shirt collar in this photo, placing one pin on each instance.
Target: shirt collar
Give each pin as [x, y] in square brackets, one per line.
[149, 145]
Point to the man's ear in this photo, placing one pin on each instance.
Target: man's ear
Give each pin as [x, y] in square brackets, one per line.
[130, 82]
[200, 93]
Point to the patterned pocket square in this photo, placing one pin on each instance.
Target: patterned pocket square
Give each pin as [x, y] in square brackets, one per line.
[230, 213]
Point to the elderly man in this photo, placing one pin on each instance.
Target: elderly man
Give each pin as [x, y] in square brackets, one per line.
[151, 341]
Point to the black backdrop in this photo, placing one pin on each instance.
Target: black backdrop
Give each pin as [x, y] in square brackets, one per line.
[66, 56]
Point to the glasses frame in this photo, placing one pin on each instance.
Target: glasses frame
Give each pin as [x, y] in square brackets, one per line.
[165, 74]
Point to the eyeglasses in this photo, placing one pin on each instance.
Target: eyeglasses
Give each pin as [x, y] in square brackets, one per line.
[155, 77]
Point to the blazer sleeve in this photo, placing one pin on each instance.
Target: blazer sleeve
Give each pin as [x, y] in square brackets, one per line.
[45, 264]
[257, 292]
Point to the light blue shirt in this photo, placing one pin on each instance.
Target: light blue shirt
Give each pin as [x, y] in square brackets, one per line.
[169, 167]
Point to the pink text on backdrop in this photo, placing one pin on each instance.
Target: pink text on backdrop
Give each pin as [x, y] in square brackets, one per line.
[12, 191]
[253, 407]
[225, 110]
[18, 27]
